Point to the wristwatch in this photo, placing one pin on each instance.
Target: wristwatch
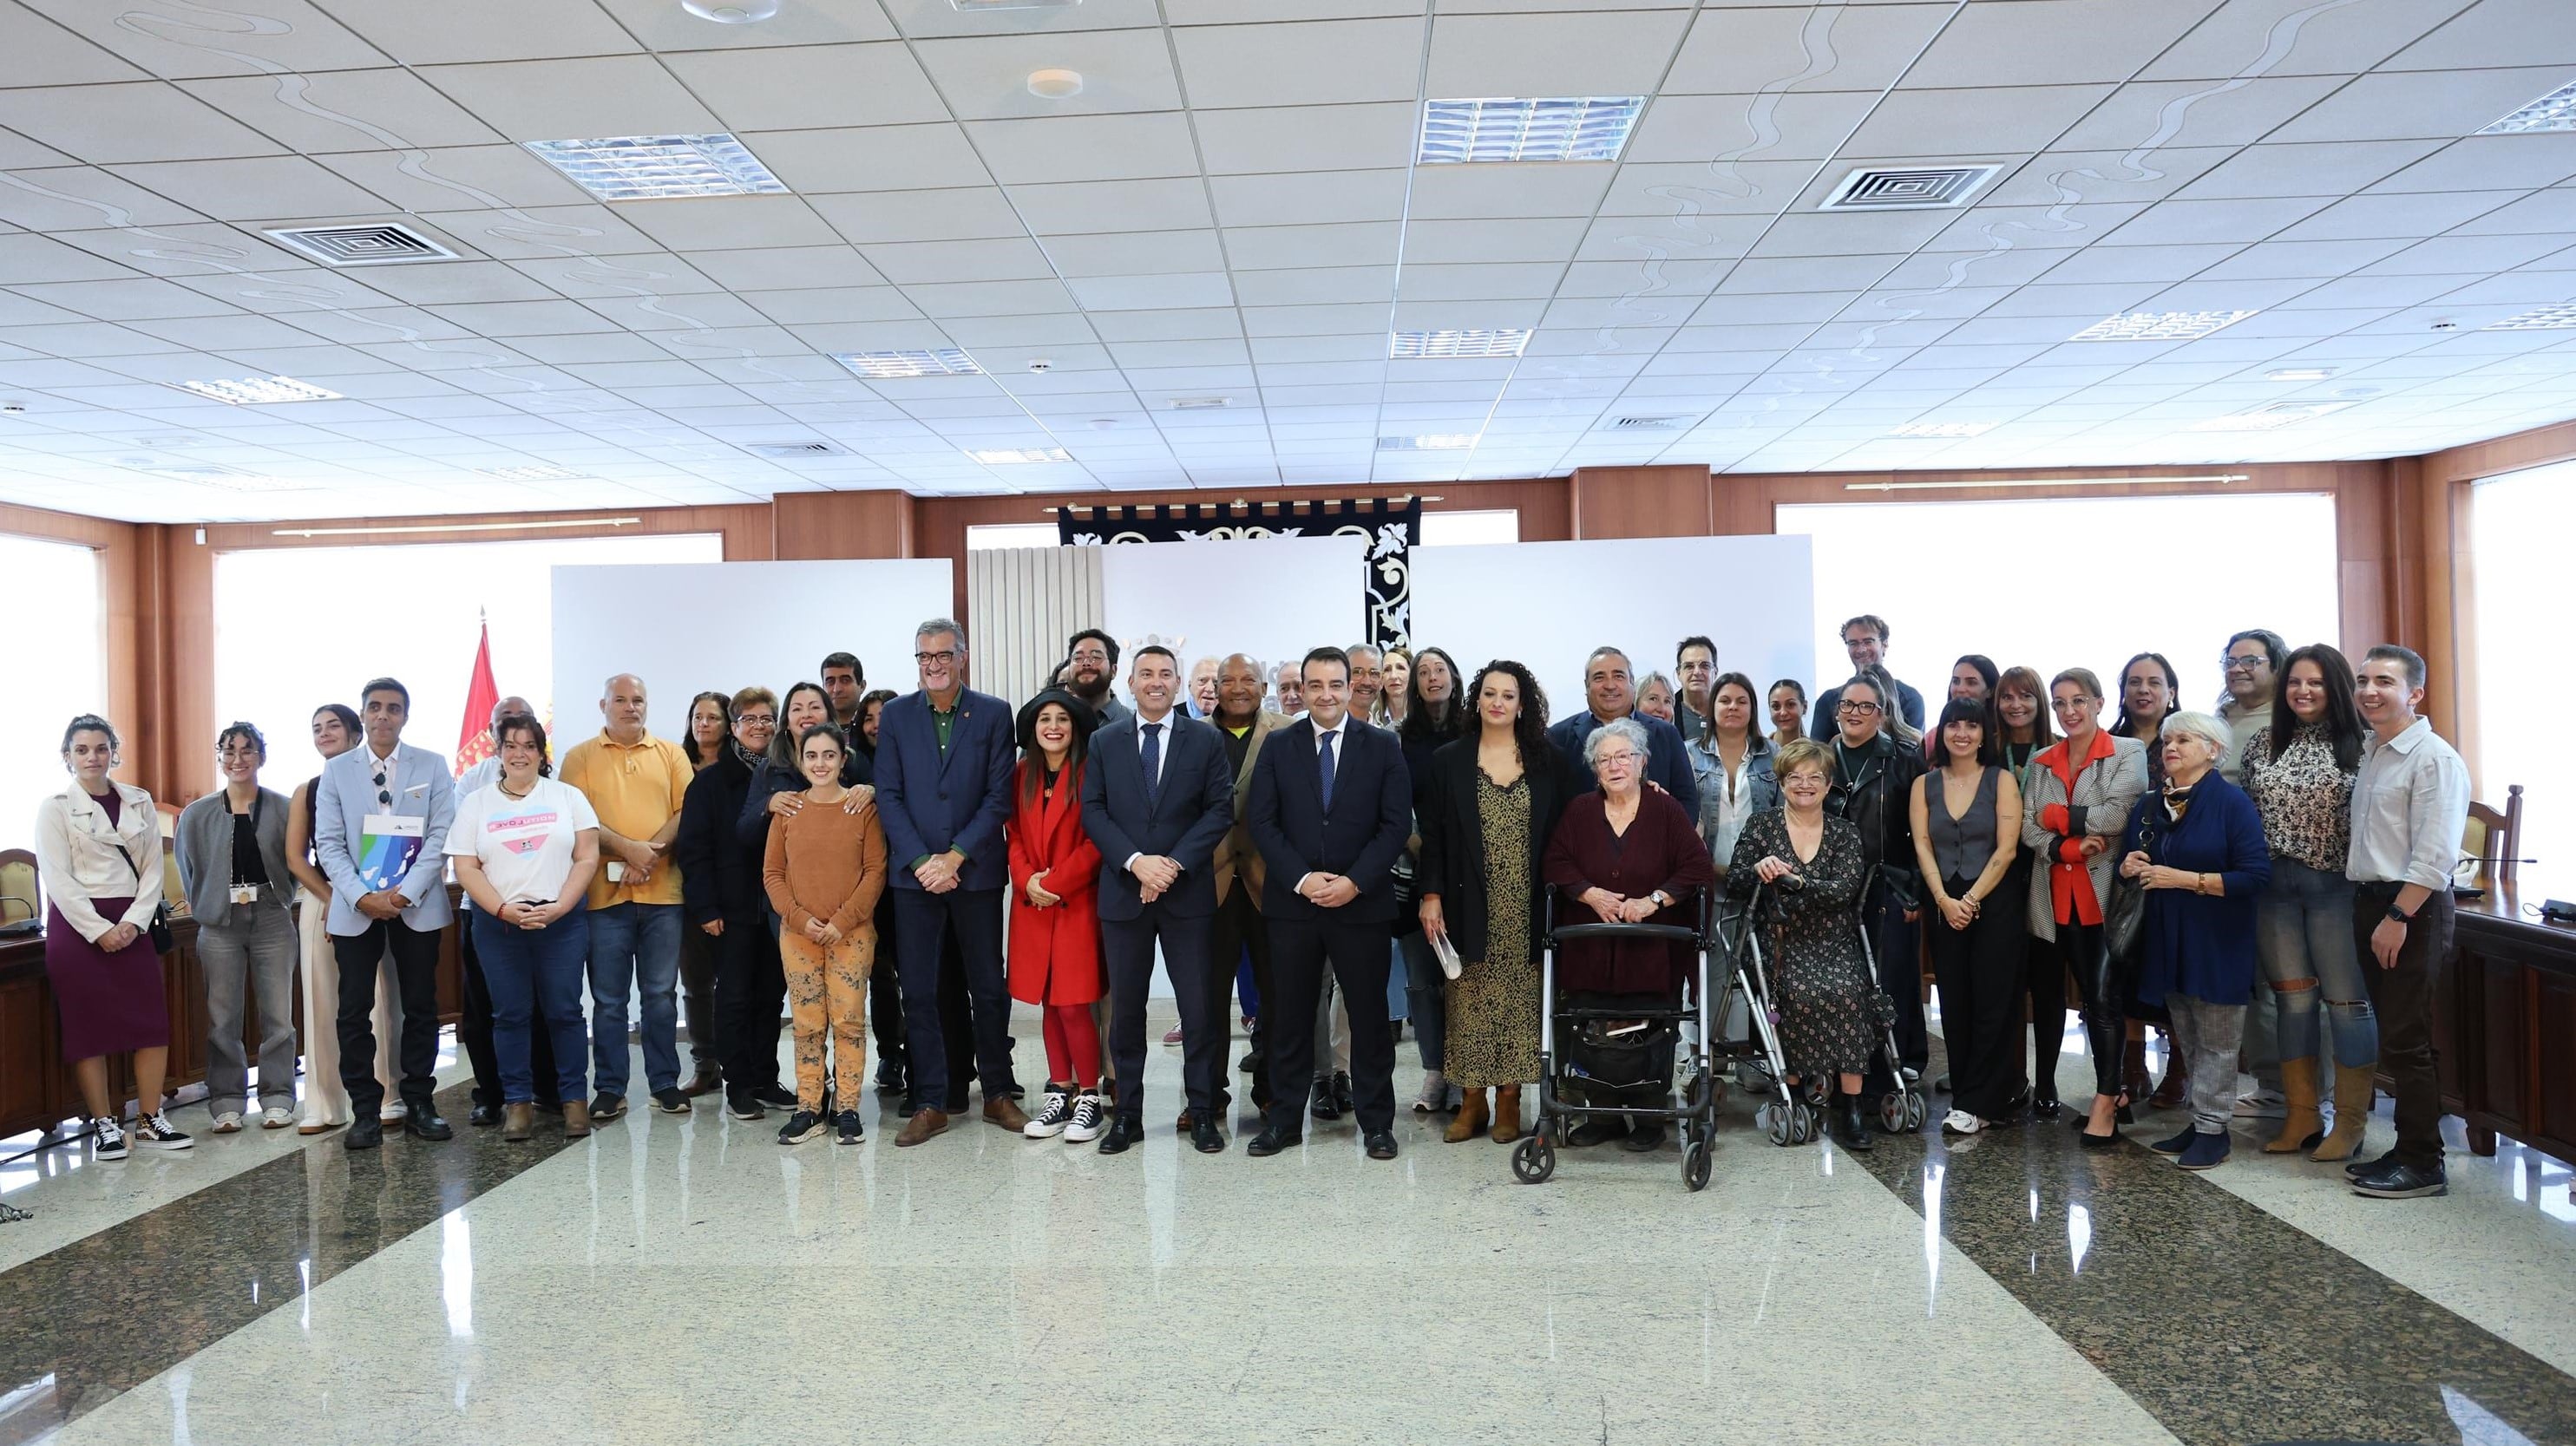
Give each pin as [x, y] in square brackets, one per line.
[1659, 900]
[2400, 915]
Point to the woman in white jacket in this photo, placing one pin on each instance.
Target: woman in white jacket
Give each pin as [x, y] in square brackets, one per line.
[98, 853]
[2081, 791]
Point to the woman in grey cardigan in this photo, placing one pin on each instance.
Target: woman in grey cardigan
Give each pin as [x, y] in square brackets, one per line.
[232, 863]
[2081, 792]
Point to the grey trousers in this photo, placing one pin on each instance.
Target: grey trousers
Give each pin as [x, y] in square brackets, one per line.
[2208, 1035]
[252, 953]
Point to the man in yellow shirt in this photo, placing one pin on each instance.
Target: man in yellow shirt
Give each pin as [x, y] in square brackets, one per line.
[635, 783]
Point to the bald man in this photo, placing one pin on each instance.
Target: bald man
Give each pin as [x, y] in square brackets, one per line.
[635, 783]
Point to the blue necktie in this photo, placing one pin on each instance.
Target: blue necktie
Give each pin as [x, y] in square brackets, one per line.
[1324, 769]
[1153, 765]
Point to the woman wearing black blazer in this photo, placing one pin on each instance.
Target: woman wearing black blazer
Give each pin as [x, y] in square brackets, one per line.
[1489, 806]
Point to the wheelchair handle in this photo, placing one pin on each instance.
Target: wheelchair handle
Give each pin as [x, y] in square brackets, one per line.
[1674, 932]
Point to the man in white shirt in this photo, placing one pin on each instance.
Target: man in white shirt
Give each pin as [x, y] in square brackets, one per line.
[2409, 807]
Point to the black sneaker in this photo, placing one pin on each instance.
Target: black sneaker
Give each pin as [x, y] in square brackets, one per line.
[849, 1131]
[2358, 1168]
[2403, 1182]
[744, 1107]
[800, 1127]
[109, 1142]
[671, 1101]
[1054, 1113]
[153, 1132]
[605, 1107]
[776, 1097]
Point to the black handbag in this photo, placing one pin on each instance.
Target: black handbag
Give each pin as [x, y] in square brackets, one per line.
[2124, 919]
[163, 941]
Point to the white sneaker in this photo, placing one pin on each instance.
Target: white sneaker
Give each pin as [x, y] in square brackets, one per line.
[1051, 1118]
[392, 1112]
[153, 1132]
[1088, 1118]
[228, 1123]
[276, 1117]
[110, 1141]
[1960, 1122]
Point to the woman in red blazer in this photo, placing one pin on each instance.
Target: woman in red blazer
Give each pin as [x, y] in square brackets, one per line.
[1055, 910]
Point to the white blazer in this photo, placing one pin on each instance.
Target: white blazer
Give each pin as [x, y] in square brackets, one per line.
[79, 857]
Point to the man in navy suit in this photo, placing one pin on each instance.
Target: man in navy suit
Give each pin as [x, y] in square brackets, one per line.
[944, 758]
[1157, 799]
[1330, 808]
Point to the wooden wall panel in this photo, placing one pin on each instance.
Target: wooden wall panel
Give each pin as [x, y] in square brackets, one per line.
[842, 524]
[1641, 502]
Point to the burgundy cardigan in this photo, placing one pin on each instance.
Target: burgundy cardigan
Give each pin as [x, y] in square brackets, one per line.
[1662, 850]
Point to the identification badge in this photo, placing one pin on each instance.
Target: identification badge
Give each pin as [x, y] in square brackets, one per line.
[245, 893]
[388, 845]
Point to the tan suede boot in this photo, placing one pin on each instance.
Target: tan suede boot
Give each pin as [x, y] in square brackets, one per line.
[2356, 1088]
[1470, 1120]
[1507, 1114]
[2299, 1088]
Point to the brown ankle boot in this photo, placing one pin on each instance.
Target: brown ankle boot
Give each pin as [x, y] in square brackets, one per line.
[1507, 1114]
[518, 1121]
[925, 1122]
[576, 1119]
[2301, 1122]
[2177, 1083]
[2355, 1089]
[1470, 1119]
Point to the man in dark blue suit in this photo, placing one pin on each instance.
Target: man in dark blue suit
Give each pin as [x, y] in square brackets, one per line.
[944, 758]
[1330, 808]
[1157, 797]
[1610, 692]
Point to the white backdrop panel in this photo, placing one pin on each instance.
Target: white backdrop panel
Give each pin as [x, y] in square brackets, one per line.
[1272, 597]
[684, 628]
[1549, 604]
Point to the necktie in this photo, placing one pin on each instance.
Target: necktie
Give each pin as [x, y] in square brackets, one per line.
[1324, 768]
[1153, 765]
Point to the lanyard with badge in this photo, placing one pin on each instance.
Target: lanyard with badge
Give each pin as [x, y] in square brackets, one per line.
[243, 893]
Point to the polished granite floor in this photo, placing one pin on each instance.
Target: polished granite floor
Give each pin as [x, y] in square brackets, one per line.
[686, 1279]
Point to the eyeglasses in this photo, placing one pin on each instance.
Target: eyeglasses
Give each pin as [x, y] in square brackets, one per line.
[756, 719]
[1603, 760]
[2233, 664]
[945, 655]
[1863, 709]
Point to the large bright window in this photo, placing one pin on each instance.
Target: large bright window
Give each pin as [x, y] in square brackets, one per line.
[58, 655]
[299, 627]
[2081, 582]
[2519, 526]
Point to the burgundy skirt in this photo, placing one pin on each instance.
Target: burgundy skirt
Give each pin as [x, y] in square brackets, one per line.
[111, 1003]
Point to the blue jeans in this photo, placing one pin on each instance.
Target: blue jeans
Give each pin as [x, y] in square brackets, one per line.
[635, 948]
[534, 974]
[1426, 989]
[2303, 932]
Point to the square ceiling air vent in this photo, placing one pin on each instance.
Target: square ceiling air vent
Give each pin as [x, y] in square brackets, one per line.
[1908, 188]
[796, 451]
[384, 243]
[1650, 424]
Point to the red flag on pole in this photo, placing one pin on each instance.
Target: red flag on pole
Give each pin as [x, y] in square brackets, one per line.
[474, 739]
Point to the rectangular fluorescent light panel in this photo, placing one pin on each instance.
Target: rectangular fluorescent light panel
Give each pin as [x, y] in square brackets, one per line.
[2266, 419]
[2298, 374]
[530, 474]
[260, 391]
[2555, 111]
[653, 168]
[1005, 456]
[2160, 326]
[1433, 442]
[1943, 429]
[884, 365]
[2547, 318]
[1568, 128]
[1501, 341]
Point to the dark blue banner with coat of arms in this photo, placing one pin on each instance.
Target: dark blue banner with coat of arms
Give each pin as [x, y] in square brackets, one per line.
[1391, 526]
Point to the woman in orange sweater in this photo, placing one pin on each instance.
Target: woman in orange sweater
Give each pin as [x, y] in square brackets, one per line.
[823, 871]
[1055, 911]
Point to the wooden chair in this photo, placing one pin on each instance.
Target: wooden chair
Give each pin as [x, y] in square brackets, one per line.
[19, 896]
[2494, 835]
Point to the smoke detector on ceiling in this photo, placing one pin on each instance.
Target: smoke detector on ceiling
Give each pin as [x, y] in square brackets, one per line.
[743, 12]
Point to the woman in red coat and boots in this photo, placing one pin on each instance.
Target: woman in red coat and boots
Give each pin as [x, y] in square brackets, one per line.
[1055, 911]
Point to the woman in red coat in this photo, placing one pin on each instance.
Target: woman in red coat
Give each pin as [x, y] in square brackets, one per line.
[1055, 910]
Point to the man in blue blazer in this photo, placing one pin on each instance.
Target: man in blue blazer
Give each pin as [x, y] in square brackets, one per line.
[381, 813]
[1330, 809]
[1609, 692]
[944, 757]
[1157, 798]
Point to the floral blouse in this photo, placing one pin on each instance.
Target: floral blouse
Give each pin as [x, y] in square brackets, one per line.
[2304, 798]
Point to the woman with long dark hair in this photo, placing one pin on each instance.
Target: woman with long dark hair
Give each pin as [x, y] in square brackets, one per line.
[1973, 676]
[2022, 734]
[2299, 769]
[1787, 701]
[1055, 911]
[1433, 716]
[710, 728]
[1731, 759]
[1967, 828]
[2149, 694]
[1493, 801]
